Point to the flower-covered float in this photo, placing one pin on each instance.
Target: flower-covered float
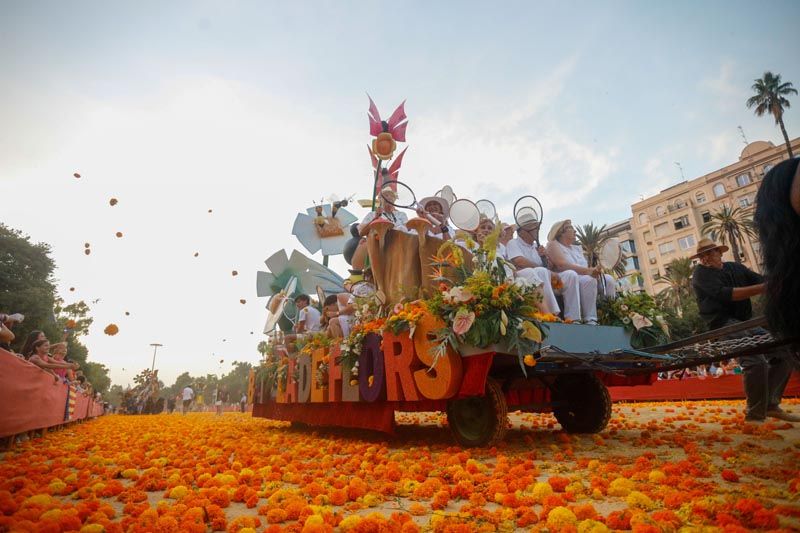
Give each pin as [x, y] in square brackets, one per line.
[441, 325]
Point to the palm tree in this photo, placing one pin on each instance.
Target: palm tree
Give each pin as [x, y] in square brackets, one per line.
[679, 279]
[770, 98]
[592, 238]
[731, 225]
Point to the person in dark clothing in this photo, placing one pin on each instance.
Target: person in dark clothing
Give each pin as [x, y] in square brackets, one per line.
[777, 218]
[723, 291]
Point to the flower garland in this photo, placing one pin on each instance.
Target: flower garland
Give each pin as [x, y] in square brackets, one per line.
[639, 315]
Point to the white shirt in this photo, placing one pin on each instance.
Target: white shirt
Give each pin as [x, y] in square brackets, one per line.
[188, 393]
[310, 317]
[519, 248]
[574, 253]
[502, 251]
[398, 218]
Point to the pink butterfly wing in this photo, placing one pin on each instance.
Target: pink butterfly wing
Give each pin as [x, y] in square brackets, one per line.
[398, 116]
[394, 168]
[375, 127]
[399, 132]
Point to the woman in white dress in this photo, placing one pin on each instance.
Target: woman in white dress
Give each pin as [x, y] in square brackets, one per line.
[565, 255]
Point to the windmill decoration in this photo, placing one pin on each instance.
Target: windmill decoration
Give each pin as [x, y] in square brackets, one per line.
[387, 134]
[308, 274]
[324, 227]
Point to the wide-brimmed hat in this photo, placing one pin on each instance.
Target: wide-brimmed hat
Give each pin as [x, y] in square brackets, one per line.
[441, 201]
[527, 220]
[706, 245]
[556, 228]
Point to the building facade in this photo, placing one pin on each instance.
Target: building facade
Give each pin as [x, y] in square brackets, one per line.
[668, 225]
[633, 280]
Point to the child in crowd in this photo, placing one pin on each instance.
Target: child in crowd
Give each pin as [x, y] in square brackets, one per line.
[41, 358]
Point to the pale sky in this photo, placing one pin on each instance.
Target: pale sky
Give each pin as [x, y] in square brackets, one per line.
[256, 109]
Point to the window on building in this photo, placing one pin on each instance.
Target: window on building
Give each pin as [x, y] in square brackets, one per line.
[660, 211]
[642, 218]
[651, 256]
[719, 190]
[706, 216]
[661, 229]
[681, 222]
[680, 203]
[700, 197]
[744, 201]
[686, 243]
[743, 180]
[767, 168]
[666, 248]
[656, 275]
[629, 246]
[647, 238]
[631, 264]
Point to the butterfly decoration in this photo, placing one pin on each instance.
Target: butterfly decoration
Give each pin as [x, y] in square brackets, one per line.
[386, 132]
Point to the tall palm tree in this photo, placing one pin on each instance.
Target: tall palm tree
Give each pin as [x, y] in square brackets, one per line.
[731, 225]
[770, 98]
[592, 238]
[679, 280]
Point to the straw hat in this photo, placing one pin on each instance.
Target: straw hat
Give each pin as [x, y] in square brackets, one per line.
[706, 245]
[441, 201]
[556, 228]
[527, 220]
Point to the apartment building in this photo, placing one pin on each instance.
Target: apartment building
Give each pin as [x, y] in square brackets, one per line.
[668, 225]
[633, 280]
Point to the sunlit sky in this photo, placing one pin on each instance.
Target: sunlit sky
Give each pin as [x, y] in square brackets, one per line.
[256, 109]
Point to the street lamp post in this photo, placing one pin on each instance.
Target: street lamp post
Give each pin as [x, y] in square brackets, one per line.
[155, 346]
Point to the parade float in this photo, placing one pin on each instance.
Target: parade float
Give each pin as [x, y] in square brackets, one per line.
[439, 325]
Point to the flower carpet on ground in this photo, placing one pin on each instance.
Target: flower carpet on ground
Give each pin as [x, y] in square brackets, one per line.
[657, 467]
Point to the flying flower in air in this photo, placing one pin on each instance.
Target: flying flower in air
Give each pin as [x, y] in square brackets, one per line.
[77, 175]
[111, 330]
[113, 201]
[119, 234]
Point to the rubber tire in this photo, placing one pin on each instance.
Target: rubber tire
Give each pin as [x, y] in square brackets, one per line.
[481, 420]
[588, 403]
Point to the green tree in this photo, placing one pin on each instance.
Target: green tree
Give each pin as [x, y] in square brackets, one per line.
[97, 374]
[27, 286]
[678, 279]
[592, 238]
[770, 97]
[730, 225]
[114, 395]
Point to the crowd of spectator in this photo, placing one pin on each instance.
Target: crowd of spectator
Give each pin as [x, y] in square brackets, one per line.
[714, 370]
[51, 358]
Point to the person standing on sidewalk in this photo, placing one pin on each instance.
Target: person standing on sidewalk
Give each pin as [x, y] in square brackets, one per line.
[723, 291]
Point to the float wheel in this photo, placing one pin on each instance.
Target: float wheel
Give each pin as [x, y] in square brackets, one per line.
[481, 420]
[583, 403]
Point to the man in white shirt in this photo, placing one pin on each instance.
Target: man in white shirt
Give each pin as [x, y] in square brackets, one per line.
[308, 318]
[188, 396]
[528, 259]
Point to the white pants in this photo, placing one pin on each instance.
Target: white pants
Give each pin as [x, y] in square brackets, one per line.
[541, 276]
[611, 287]
[587, 297]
